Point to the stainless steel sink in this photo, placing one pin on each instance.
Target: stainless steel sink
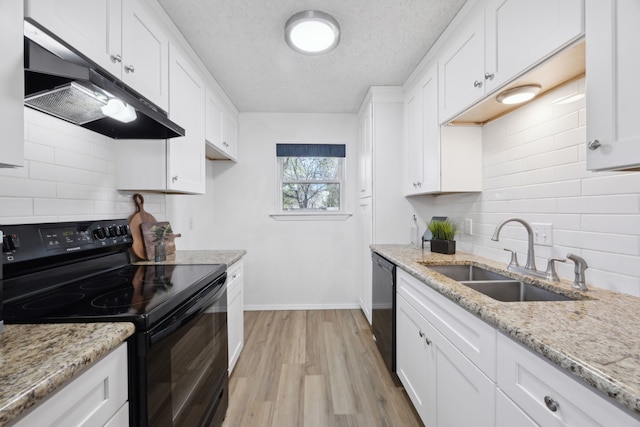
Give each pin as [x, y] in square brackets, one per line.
[513, 291]
[495, 285]
[464, 273]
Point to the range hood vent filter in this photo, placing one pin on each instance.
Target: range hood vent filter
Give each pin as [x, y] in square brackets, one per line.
[71, 102]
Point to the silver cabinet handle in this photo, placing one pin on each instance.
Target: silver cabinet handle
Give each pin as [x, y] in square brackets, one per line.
[594, 144]
[116, 58]
[174, 178]
[421, 334]
[488, 76]
[551, 404]
[225, 143]
[129, 68]
[477, 83]
[234, 277]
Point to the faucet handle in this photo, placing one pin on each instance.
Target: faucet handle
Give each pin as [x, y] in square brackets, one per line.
[513, 262]
[550, 273]
[580, 267]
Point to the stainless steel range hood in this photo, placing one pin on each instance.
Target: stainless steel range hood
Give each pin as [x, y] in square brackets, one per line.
[60, 82]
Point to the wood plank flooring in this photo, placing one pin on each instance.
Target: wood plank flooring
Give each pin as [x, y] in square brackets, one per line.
[313, 369]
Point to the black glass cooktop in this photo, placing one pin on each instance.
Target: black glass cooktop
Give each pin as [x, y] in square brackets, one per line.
[142, 294]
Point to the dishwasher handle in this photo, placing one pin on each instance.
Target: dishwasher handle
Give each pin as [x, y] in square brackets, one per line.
[383, 263]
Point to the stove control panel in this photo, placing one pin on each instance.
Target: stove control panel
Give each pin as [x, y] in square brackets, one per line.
[29, 242]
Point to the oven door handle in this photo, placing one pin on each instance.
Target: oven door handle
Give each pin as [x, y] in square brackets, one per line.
[197, 305]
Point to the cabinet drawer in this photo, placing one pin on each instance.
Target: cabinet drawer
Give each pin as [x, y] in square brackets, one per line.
[469, 334]
[91, 399]
[235, 274]
[528, 380]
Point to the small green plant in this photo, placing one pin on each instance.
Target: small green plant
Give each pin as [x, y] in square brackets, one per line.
[443, 230]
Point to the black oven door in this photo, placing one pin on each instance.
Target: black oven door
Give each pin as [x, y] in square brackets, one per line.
[187, 362]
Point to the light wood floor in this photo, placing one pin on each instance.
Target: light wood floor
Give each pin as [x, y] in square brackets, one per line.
[313, 368]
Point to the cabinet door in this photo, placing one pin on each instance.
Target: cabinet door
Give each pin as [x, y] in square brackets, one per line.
[461, 68]
[11, 85]
[185, 154]
[463, 395]
[366, 151]
[414, 147]
[230, 135]
[94, 28]
[213, 110]
[235, 312]
[508, 414]
[431, 158]
[145, 48]
[366, 239]
[613, 67]
[414, 360]
[521, 33]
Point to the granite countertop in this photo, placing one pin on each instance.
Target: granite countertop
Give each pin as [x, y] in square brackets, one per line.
[227, 257]
[594, 339]
[35, 360]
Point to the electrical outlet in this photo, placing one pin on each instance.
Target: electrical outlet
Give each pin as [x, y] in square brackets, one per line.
[542, 234]
[468, 226]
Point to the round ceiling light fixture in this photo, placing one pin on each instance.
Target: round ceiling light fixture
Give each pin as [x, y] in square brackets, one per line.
[312, 32]
[519, 94]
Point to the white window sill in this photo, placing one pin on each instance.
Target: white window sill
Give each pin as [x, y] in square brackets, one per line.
[311, 216]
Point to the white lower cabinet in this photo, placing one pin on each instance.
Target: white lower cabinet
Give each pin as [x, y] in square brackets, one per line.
[235, 312]
[444, 385]
[549, 396]
[508, 414]
[95, 398]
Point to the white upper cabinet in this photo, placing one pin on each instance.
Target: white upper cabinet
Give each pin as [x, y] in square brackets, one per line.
[438, 159]
[185, 154]
[613, 66]
[11, 85]
[221, 129]
[520, 33]
[366, 151]
[123, 37]
[500, 40]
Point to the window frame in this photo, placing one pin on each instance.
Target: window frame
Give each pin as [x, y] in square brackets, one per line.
[309, 214]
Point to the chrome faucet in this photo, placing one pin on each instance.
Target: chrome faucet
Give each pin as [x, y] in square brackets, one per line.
[531, 259]
[580, 267]
[530, 267]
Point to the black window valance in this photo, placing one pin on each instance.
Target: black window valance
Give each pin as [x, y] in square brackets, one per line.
[310, 150]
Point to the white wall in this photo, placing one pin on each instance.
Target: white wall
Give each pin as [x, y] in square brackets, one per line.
[534, 168]
[69, 174]
[289, 264]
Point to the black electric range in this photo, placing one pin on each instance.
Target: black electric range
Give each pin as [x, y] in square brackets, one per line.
[81, 272]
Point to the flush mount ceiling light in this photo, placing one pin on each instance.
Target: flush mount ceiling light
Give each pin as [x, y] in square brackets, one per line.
[519, 94]
[312, 32]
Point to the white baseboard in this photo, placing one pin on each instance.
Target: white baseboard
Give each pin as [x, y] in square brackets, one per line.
[302, 307]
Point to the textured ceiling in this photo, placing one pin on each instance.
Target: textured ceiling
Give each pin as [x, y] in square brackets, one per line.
[242, 43]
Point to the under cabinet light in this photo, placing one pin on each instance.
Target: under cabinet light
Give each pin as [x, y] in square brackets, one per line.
[518, 95]
[119, 110]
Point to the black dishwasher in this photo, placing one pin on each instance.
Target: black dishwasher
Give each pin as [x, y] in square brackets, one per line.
[383, 310]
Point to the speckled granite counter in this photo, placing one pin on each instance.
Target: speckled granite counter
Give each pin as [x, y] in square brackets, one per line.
[35, 360]
[596, 339]
[200, 257]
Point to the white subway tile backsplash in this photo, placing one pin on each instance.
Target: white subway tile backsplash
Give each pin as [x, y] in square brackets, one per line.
[69, 174]
[616, 204]
[534, 168]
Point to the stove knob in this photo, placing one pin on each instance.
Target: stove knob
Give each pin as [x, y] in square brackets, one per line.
[10, 242]
[99, 233]
[112, 231]
[125, 230]
[118, 231]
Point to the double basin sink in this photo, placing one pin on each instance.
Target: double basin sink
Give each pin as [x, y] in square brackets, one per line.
[495, 285]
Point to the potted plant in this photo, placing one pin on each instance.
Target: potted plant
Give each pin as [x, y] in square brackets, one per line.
[442, 234]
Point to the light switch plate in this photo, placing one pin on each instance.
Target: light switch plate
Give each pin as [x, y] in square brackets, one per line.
[468, 226]
[542, 234]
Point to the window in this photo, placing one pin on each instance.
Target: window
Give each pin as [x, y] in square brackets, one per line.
[311, 178]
